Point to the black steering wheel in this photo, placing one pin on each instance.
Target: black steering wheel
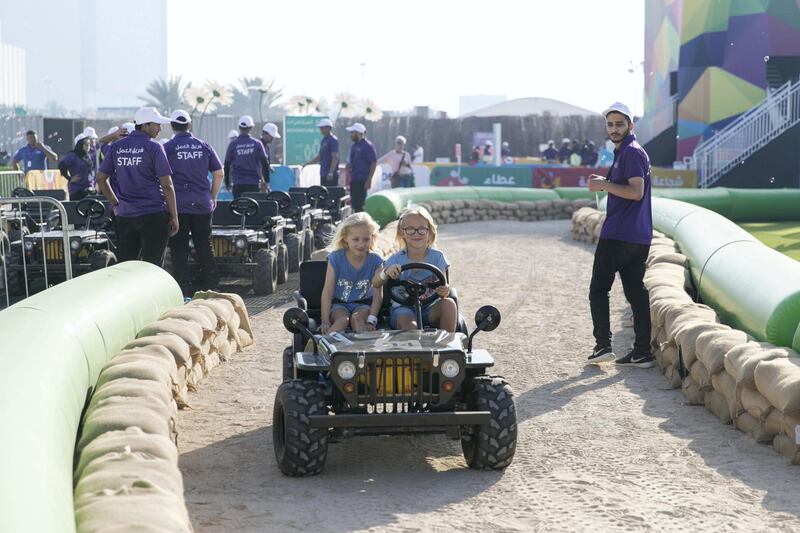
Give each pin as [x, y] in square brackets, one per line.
[91, 208]
[414, 289]
[283, 199]
[243, 207]
[22, 192]
[317, 194]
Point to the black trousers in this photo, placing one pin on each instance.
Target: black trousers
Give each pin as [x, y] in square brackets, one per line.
[628, 259]
[358, 194]
[198, 229]
[239, 190]
[143, 237]
[326, 181]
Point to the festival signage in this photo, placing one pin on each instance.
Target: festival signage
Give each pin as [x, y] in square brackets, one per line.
[482, 176]
[301, 139]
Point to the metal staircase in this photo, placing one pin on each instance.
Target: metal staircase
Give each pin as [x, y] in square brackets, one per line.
[747, 134]
[657, 121]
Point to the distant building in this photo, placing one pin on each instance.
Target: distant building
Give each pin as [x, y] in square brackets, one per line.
[12, 74]
[469, 103]
[523, 107]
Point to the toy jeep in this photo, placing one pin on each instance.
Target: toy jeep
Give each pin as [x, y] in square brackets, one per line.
[297, 233]
[322, 219]
[247, 238]
[388, 382]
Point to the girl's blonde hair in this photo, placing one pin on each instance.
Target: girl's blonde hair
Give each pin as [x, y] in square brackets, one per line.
[415, 210]
[356, 219]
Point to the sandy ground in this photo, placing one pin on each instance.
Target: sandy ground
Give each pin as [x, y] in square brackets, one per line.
[599, 448]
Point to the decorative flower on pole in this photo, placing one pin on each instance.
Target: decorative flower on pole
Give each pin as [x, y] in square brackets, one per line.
[303, 105]
[344, 105]
[221, 95]
[262, 92]
[198, 98]
[371, 111]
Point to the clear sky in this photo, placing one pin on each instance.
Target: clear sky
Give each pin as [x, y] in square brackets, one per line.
[417, 52]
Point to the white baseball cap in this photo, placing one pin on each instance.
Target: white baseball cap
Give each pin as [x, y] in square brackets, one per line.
[324, 123]
[79, 137]
[89, 132]
[246, 121]
[112, 129]
[146, 115]
[619, 107]
[565, 140]
[357, 126]
[130, 127]
[400, 139]
[272, 129]
[489, 143]
[180, 116]
[232, 134]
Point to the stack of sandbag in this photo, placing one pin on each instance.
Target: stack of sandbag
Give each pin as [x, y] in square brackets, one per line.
[455, 211]
[587, 223]
[776, 402]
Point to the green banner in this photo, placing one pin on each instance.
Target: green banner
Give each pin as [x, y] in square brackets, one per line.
[483, 175]
[301, 139]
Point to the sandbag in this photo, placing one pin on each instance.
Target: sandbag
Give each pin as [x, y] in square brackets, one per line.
[700, 375]
[669, 352]
[717, 404]
[116, 415]
[115, 470]
[774, 422]
[181, 393]
[153, 354]
[135, 370]
[223, 309]
[711, 347]
[220, 337]
[134, 388]
[753, 427]
[786, 447]
[686, 336]
[136, 508]
[789, 425]
[673, 375]
[741, 361]
[778, 380]
[177, 346]
[190, 332]
[225, 350]
[725, 385]
[676, 315]
[692, 392]
[672, 258]
[755, 403]
[131, 439]
[202, 315]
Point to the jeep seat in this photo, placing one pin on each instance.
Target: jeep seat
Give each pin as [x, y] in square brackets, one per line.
[308, 296]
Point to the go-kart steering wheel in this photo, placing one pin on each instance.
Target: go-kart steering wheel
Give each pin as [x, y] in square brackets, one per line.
[283, 199]
[22, 192]
[243, 206]
[317, 194]
[416, 289]
[91, 208]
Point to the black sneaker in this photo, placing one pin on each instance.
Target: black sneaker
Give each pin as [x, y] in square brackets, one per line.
[601, 354]
[638, 360]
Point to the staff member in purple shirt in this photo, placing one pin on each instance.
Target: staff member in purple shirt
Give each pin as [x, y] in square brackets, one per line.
[76, 167]
[328, 156]
[624, 240]
[360, 165]
[245, 161]
[268, 134]
[144, 198]
[191, 160]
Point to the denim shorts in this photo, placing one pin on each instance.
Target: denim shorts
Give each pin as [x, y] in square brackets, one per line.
[350, 308]
[399, 311]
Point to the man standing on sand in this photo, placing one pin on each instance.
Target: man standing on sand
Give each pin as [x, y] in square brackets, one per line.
[360, 165]
[624, 240]
[245, 161]
[328, 156]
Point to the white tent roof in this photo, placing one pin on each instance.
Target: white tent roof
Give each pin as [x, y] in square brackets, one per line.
[522, 107]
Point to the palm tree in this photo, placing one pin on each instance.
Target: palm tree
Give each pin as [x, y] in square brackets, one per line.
[164, 95]
[254, 96]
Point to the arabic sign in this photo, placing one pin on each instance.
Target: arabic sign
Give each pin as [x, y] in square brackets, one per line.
[671, 178]
[301, 139]
[482, 175]
[547, 178]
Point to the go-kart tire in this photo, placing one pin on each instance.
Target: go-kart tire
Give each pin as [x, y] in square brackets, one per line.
[308, 244]
[288, 363]
[100, 259]
[324, 235]
[265, 275]
[300, 450]
[295, 248]
[491, 446]
[283, 264]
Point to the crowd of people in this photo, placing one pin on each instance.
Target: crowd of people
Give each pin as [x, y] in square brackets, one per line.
[572, 152]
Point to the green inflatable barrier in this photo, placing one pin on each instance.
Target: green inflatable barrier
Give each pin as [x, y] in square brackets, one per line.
[717, 199]
[577, 193]
[764, 205]
[667, 214]
[54, 345]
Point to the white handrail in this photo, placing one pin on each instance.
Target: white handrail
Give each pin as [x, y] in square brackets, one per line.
[656, 121]
[748, 133]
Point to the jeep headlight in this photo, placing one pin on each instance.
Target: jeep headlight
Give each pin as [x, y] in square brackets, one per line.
[346, 370]
[450, 369]
[29, 245]
[75, 245]
[241, 243]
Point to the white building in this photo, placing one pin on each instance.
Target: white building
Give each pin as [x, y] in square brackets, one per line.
[469, 103]
[85, 54]
[12, 74]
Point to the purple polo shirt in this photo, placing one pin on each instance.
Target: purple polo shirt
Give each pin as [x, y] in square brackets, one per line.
[246, 156]
[328, 146]
[191, 160]
[362, 155]
[137, 161]
[76, 166]
[31, 158]
[629, 220]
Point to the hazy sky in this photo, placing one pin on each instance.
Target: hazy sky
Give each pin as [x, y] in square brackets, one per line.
[417, 52]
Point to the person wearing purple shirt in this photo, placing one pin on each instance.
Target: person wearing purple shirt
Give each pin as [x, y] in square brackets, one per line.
[624, 240]
[76, 167]
[191, 160]
[361, 165]
[144, 199]
[245, 161]
[268, 134]
[328, 156]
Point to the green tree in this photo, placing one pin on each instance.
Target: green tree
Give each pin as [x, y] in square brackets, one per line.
[164, 95]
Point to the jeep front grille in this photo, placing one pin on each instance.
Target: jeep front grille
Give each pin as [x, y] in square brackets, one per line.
[54, 249]
[398, 385]
[223, 247]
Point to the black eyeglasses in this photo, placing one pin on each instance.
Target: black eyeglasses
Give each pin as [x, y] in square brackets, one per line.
[420, 231]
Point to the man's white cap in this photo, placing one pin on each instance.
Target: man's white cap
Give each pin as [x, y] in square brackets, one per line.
[78, 138]
[130, 127]
[112, 129]
[246, 121]
[551, 141]
[272, 129]
[146, 115]
[489, 143]
[324, 123]
[619, 107]
[565, 140]
[357, 126]
[233, 134]
[400, 139]
[180, 116]
[89, 132]
[505, 143]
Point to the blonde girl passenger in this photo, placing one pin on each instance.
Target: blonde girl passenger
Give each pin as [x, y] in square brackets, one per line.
[416, 238]
[348, 300]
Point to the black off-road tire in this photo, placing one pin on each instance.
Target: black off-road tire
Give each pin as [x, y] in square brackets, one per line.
[288, 362]
[300, 450]
[308, 244]
[100, 259]
[265, 275]
[492, 445]
[283, 264]
[295, 248]
[324, 235]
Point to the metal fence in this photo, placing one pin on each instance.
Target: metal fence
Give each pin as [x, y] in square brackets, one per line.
[10, 180]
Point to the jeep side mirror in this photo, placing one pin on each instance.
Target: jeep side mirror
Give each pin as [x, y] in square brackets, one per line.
[487, 318]
[295, 320]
